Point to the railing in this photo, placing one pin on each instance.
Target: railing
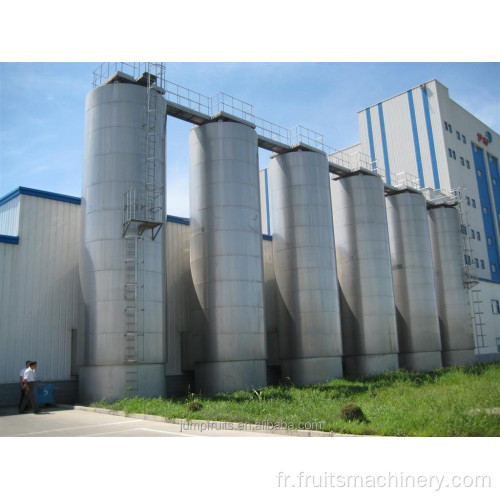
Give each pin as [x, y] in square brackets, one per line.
[188, 98]
[351, 161]
[138, 207]
[133, 69]
[403, 180]
[289, 137]
[226, 103]
[302, 135]
[272, 131]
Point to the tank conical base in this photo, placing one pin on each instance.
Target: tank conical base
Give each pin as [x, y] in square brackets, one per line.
[109, 382]
[230, 376]
[367, 366]
[306, 371]
[421, 361]
[458, 358]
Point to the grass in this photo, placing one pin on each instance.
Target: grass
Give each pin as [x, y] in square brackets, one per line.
[398, 403]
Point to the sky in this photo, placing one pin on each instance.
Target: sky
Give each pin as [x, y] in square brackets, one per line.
[42, 109]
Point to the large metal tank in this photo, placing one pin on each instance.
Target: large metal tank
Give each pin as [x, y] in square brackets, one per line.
[455, 318]
[226, 258]
[413, 276]
[116, 126]
[304, 262]
[368, 314]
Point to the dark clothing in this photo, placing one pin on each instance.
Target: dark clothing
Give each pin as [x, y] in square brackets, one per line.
[29, 397]
[21, 400]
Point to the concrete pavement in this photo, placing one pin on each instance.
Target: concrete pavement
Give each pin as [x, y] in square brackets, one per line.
[67, 421]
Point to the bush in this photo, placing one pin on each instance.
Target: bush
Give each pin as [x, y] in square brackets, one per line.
[194, 405]
[352, 411]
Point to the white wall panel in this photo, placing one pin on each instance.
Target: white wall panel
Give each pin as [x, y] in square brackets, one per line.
[363, 133]
[9, 217]
[437, 122]
[40, 290]
[399, 136]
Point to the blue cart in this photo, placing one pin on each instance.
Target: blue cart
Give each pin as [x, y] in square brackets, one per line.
[44, 395]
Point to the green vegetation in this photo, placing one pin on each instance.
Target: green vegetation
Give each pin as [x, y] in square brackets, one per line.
[445, 402]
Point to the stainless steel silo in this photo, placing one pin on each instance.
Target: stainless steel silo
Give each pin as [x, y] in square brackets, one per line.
[122, 274]
[368, 314]
[455, 318]
[413, 275]
[304, 263]
[226, 258]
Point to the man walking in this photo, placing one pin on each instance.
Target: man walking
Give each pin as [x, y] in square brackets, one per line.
[29, 385]
[21, 382]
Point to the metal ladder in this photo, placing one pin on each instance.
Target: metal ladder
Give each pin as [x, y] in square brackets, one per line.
[151, 153]
[478, 319]
[469, 282]
[142, 210]
[131, 295]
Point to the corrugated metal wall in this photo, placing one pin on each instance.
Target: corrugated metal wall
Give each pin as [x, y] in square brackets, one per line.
[179, 290]
[270, 304]
[39, 290]
[9, 217]
[265, 200]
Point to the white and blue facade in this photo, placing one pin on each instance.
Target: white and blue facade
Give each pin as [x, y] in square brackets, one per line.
[426, 136]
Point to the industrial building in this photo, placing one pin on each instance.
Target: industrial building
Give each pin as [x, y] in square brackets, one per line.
[320, 265]
[423, 137]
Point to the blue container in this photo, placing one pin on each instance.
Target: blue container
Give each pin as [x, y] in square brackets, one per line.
[44, 395]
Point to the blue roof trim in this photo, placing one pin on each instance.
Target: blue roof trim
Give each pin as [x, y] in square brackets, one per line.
[267, 237]
[13, 240]
[178, 220]
[39, 194]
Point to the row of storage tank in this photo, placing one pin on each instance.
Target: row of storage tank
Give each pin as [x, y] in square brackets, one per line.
[382, 291]
[367, 282]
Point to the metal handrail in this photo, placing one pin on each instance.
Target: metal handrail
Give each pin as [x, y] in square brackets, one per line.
[231, 105]
[300, 134]
[186, 97]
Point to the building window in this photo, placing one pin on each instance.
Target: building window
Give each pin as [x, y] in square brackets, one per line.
[449, 153]
[479, 172]
[462, 162]
[473, 203]
[458, 135]
[478, 236]
[472, 234]
[463, 139]
[476, 262]
[463, 228]
[467, 164]
[468, 200]
[467, 259]
[454, 155]
[495, 307]
[489, 240]
[482, 264]
[485, 210]
[494, 180]
[493, 268]
[498, 344]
